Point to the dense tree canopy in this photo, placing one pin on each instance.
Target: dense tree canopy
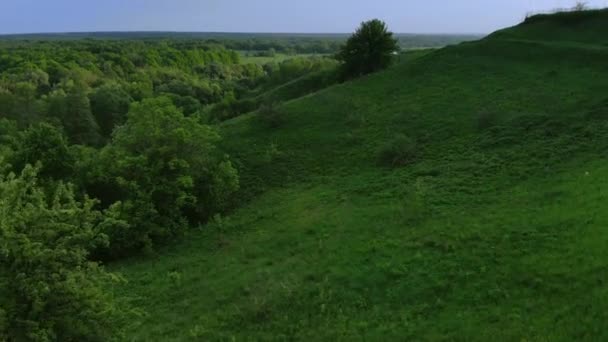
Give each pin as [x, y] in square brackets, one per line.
[49, 290]
[167, 172]
[369, 49]
[109, 105]
[106, 150]
[43, 143]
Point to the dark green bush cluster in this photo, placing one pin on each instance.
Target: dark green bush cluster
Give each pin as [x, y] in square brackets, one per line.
[282, 81]
[271, 116]
[293, 68]
[303, 85]
[49, 290]
[160, 173]
[88, 88]
[399, 151]
[165, 171]
[231, 107]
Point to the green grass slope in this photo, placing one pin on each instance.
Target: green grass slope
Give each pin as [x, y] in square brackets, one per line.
[582, 26]
[315, 81]
[497, 230]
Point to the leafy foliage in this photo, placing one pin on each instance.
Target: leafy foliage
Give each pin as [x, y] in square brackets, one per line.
[167, 172]
[73, 110]
[271, 116]
[109, 105]
[368, 50]
[399, 151]
[44, 143]
[50, 290]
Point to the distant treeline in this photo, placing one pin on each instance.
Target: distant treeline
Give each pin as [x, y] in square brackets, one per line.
[289, 43]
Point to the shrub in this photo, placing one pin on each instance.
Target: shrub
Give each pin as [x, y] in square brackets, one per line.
[245, 106]
[230, 107]
[272, 152]
[401, 150]
[166, 171]
[49, 290]
[271, 116]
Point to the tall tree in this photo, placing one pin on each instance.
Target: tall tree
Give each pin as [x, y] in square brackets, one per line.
[44, 143]
[371, 48]
[79, 121]
[167, 169]
[110, 104]
[73, 109]
[26, 109]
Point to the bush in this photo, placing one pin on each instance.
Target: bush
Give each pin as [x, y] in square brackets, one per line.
[401, 150]
[49, 291]
[303, 85]
[166, 171]
[231, 108]
[271, 116]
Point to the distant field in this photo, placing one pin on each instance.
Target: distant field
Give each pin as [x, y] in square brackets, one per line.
[249, 57]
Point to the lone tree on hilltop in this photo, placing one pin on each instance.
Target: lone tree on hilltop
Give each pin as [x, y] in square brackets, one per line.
[580, 6]
[371, 48]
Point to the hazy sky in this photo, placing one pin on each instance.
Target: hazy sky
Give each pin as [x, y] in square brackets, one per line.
[415, 16]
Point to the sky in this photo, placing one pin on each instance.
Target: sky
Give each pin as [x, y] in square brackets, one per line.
[303, 16]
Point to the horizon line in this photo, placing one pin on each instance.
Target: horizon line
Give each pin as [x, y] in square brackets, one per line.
[228, 32]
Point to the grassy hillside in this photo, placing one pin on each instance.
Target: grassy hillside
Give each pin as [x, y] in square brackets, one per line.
[496, 230]
[583, 27]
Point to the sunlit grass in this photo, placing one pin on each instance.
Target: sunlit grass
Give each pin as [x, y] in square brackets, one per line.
[494, 232]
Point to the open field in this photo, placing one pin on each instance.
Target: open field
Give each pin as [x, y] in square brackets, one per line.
[250, 57]
[495, 229]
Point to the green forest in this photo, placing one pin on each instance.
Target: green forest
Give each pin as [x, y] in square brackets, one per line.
[373, 186]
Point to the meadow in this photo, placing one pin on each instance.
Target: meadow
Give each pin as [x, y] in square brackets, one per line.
[496, 228]
[251, 57]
